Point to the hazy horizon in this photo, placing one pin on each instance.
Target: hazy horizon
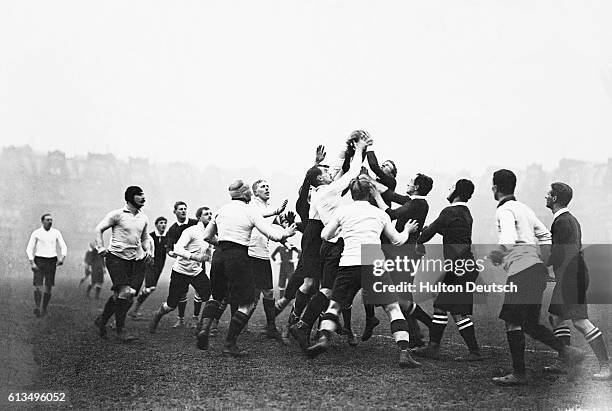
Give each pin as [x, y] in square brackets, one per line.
[444, 84]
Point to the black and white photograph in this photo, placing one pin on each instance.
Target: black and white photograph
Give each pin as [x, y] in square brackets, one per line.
[327, 204]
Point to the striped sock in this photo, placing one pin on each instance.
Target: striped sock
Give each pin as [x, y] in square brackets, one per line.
[466, 329]
[315, 307]
[598, 345]
[197, 305]
[563, 333]
[346, 317]
[399, 329]
[438, 325]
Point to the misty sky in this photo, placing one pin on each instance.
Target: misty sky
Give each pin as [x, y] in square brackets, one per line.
[445, 85]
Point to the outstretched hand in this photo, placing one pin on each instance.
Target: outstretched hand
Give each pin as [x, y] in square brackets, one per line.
[281, 208]
[320, 155]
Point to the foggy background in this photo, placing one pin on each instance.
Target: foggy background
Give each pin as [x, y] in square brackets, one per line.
[182, 98]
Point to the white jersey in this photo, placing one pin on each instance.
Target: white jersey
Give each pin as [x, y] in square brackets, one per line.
[258, 244]
[361, 224]
[190, 242]
[235, 221]
[43, 243]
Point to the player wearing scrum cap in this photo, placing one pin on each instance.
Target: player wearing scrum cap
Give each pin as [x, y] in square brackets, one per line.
[231, 275]
[362, 223]
[323, 264]
[259, 255]
[188, 269]
[129, 249]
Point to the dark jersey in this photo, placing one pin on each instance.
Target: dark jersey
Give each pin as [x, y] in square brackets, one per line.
[175, 231]
[161, 247]
[95, 261]
[455, 225]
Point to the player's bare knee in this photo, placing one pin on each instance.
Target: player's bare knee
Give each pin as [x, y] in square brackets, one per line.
[126, 293]
[583, 325]
[326, 292]
[513, 327]
[268, 294]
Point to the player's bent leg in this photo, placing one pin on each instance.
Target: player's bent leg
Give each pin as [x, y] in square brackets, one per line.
[439, 323]
[268, 304]
[516, 343]
[328, 324]
[142, 296]
[399, 330]
[124, 301]
[45, 300]
[301, 330]
[164, 309]
[465, 326]
[237, 323]
[595, 339]
[182, 306]
[562, 331]
[211, 309]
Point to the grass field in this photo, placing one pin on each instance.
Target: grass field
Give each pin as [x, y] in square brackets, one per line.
[62, 353]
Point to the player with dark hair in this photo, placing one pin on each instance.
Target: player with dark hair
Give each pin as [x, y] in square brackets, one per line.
[520, 232]
[569, 295]
[259, 255]
[285, 253]
[129, 250]
[455, 225]
[323, 265]
[42, 253]
[231, 275]
[361, 223]
[174, 233]
[94, 269]
[414, 207]
[153, 271]
[188, 269]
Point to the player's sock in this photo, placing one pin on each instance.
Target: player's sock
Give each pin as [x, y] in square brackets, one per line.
[281, 292]
[123, 306]
[142, 296]
[37, 298]
[233, 309]
[98, 292]
[399, 329]
[346, 317]
[419, 314]
[545, 336]
[210, 311]
[268, 306]
[466, 329]
[301, 300]
[314, 308]
[438, 325]
[45, 301]
[563, 333]
[89, 287]
[598, 345]
[516, 342]
[109, 309]
[369, 311]
[220, 309]
[239, 320]
[197, 307]
[182, 305]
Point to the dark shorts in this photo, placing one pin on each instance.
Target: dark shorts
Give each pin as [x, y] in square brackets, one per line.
[46, 271]
[350, 280]
[330, 258]
[311, 252]
[97, 276]
[179, 286]
[230, 274]
[569, 299]
[523, 307]
[152, 274]
[284, 273]
[296, 281]
[457, 303]
[125, 272]
[262, 273]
